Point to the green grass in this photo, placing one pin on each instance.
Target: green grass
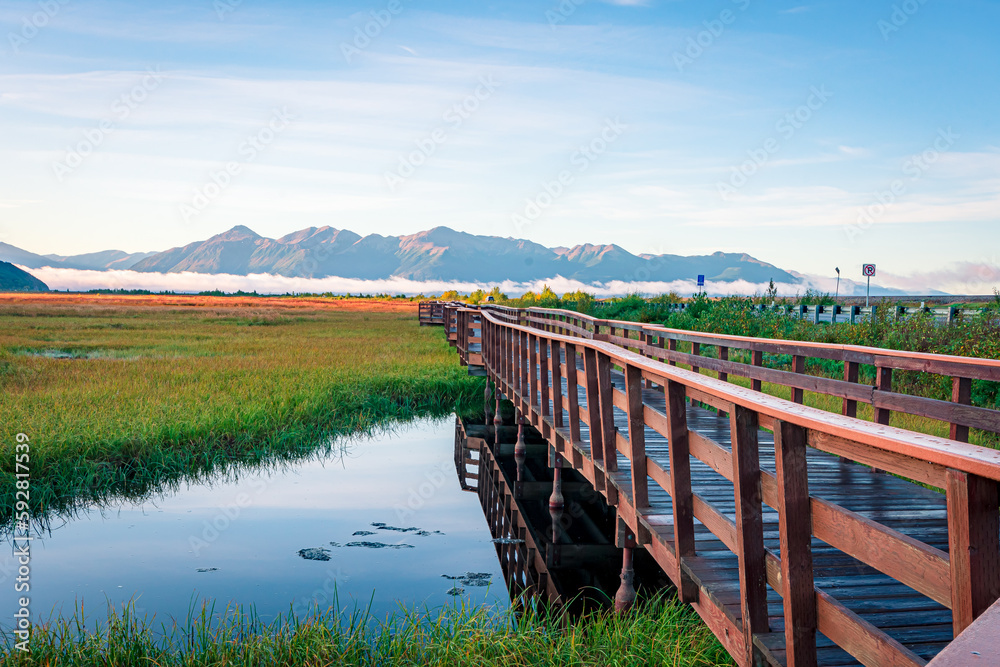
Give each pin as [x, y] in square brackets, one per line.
[659, 631]
[153, 393]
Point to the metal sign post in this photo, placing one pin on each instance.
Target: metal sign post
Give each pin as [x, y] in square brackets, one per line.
[868, 270]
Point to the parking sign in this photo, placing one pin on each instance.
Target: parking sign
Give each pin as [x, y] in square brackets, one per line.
[868, 270]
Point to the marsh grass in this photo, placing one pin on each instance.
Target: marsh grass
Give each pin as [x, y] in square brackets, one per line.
[658, 631]
[148, 393]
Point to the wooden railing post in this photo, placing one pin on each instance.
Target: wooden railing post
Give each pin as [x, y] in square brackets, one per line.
[557, 390]
[795, 533]
[850, 406]
[533, 378]
[757, 359]
[798, 366]
[723, 356]
[637, 440]
[672, 346]
[594, 415]
[680, 479]
[507, 356]
[543, 379]
[961, 393]
[573, 394]
[883, 382]
[523, 365]
[973, 545]
[609, 433]
[695, 350]
[749, 526]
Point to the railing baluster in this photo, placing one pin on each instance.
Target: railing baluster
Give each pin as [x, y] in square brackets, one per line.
[974, 545]
[795, 533]
[757, 359]
[672, 346]
[883, 382]
[594, 414]
[798, 366]
[524, 371]
[609, 434]
[543, 373]
[680, 478]
[557, 390]
[533, 372]
[961, 393]
[749, 526]
[850, 407]
[724, 376]
[637, 441]
[572, 392]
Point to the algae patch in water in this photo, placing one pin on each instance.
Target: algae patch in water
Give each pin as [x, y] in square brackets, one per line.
[476, 579]
[374, 545]
[317, 553]
[411, 529]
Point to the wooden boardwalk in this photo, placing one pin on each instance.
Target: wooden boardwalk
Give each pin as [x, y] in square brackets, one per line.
[805, 556]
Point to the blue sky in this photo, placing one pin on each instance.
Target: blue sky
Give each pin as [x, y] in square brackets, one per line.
[808, 135]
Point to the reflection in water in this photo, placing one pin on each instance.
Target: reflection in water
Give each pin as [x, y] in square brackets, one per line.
[382, 523]
[554, 534]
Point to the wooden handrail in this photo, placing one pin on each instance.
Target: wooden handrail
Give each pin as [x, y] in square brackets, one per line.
[958, 412]
[932, 449]
[980, 369]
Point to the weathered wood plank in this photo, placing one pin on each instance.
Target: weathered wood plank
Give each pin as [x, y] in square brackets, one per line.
[749, 526]
[680, 471]
[795, 527]
[974, 545]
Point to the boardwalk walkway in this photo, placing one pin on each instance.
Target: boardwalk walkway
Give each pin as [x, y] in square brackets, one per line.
[810, 555]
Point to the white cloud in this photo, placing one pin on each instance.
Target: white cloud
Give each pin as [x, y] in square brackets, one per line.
[82, 280]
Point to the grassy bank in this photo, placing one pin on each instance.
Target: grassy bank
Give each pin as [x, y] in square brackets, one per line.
[657, 632]
[121, 394]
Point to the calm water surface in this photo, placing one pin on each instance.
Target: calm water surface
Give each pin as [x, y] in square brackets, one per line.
[238, 539]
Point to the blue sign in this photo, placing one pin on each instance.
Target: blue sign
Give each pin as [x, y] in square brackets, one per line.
[701, 281]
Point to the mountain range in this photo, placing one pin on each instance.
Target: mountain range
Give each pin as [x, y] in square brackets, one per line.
[437, 254]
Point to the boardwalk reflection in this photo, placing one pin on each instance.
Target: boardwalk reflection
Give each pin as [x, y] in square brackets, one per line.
[553, 548]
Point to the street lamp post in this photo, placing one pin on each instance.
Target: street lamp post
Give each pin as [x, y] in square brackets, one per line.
[837, 297]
